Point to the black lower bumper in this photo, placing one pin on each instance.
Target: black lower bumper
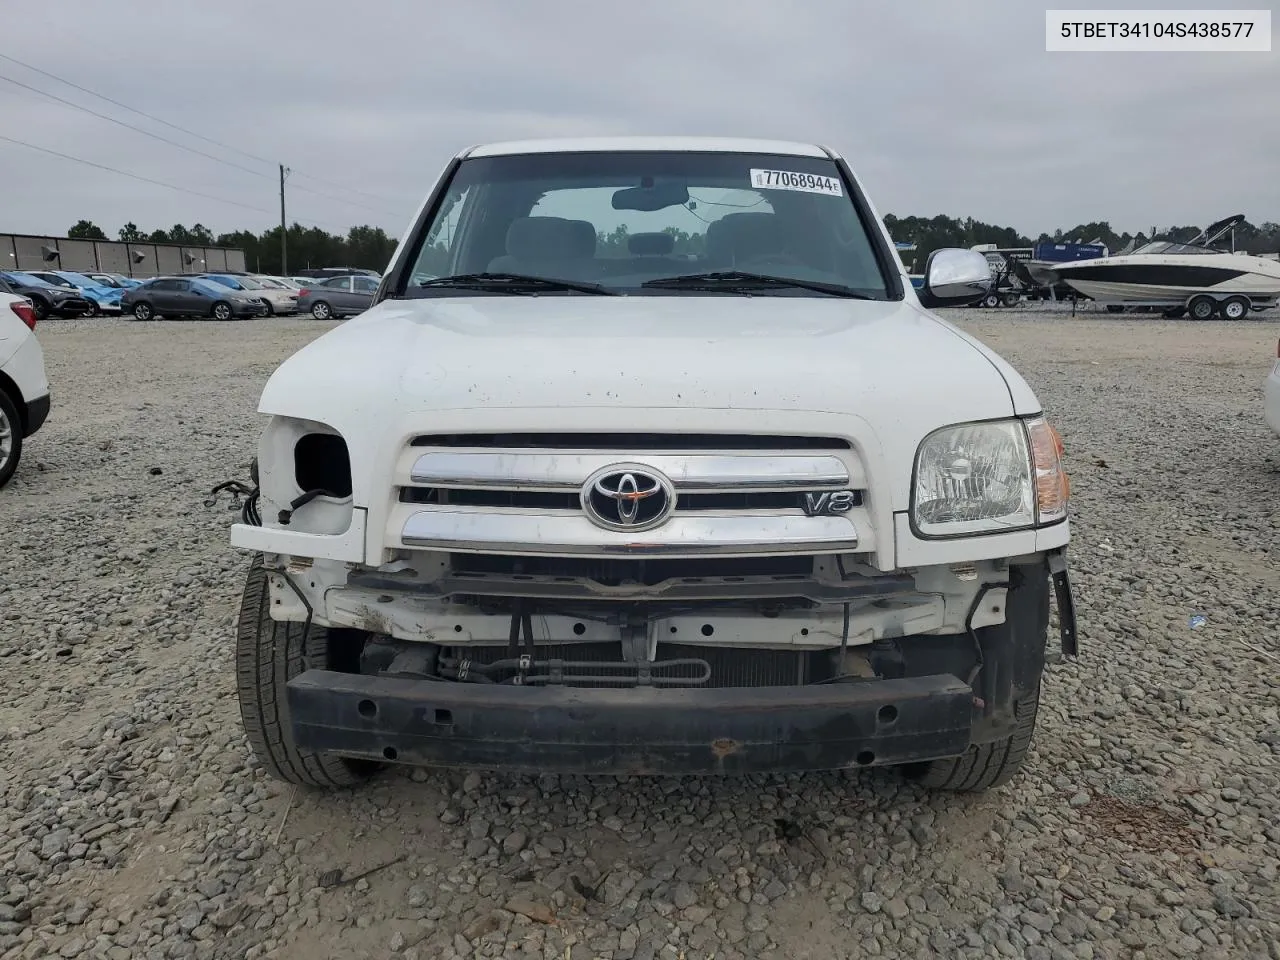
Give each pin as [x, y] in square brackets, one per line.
[37, 413]
[72, 307]
[634, 730]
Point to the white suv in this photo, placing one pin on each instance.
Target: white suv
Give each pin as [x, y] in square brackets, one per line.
[649, 459]
[24, 388]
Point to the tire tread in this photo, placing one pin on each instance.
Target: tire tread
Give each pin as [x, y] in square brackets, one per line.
[268, 654]
[10, 467]
[985, 765]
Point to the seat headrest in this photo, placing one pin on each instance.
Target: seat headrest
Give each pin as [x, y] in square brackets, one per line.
[739, 236]
[550, 238]
[651, 244]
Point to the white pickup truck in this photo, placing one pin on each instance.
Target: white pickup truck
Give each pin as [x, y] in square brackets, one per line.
[648, 459]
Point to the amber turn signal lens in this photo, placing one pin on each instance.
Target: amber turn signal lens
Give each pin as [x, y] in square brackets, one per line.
[1053, 489]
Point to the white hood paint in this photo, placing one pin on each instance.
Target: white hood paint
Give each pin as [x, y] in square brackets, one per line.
[761, 353]
[884, 374]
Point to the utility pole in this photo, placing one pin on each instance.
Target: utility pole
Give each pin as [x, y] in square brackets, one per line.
[284, 244]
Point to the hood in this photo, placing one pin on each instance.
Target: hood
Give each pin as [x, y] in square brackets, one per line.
[884, 374]
[737, 353]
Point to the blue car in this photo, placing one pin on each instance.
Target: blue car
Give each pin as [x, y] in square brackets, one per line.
[105, 299]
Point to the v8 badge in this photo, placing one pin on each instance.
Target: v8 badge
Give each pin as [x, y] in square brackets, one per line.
[829, 503]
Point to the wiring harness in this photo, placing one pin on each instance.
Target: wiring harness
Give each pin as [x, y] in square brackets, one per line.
[248, 506]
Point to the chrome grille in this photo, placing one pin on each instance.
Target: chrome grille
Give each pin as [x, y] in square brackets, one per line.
[735, 495]
[630, 441]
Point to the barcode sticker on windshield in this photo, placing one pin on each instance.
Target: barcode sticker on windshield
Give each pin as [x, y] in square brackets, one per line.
[788, 180]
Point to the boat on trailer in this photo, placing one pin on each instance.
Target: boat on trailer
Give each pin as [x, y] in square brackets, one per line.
[1193, 278]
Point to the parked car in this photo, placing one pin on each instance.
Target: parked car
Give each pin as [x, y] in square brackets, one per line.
[104, 297]
[24, 387]
[174, 297]
[762, 511]
[338, 296]
[115, 280]
[47, 299]
[278, 300]
[303, 282]
[274, 282]
[279, 283]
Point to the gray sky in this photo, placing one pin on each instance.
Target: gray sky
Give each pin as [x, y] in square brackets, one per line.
[941, 107]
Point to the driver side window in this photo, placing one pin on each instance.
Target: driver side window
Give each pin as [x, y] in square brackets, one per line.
[437, 254]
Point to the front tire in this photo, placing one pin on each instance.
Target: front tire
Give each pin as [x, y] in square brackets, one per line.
[10, 438]
[321, 310]
[991, 300]
[221, 311]
[143, 311]
[1016, 650]
[269, 653]
[984, 765]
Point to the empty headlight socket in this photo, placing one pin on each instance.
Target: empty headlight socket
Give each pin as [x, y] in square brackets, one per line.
[321, 462]
[321, 467]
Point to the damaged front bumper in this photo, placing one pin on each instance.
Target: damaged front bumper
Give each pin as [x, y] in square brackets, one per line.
[632, 731]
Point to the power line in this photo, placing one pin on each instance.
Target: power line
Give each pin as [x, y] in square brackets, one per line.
[321, 193]
[130, 126]
[174, 126]
[175, 143]
[340, 186]
[140, 113]
[132, 176]
[158, 183]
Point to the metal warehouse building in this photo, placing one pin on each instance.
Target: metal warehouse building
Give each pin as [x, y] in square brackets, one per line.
[23, 252]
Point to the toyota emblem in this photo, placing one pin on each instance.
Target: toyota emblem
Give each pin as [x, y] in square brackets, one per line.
[628, 496]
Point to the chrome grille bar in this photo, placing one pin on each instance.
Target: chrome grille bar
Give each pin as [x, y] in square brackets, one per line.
[536, 534]
[710, 473]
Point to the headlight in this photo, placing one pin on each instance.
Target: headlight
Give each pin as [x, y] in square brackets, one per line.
[988, 477]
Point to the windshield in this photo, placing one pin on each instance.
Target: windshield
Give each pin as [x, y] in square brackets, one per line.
[79, 279]
[249, 283]
[209, 287]
[1166, 246]
[26, 279]
[622, 220]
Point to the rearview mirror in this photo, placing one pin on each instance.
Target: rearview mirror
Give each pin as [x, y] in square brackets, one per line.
[955, 277]
[655, 196]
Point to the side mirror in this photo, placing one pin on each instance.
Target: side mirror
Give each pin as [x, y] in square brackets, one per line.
[955, 277]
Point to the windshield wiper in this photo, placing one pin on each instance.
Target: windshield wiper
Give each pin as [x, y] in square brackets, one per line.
[740, 281]
[515, 283]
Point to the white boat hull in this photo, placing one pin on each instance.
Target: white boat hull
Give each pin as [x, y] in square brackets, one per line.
[1156, 278]
[1138, 293]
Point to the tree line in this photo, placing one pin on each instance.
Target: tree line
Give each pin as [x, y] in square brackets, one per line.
[363, 247]
[370, 248]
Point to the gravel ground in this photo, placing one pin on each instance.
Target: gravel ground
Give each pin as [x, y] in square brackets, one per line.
[1147, 823]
